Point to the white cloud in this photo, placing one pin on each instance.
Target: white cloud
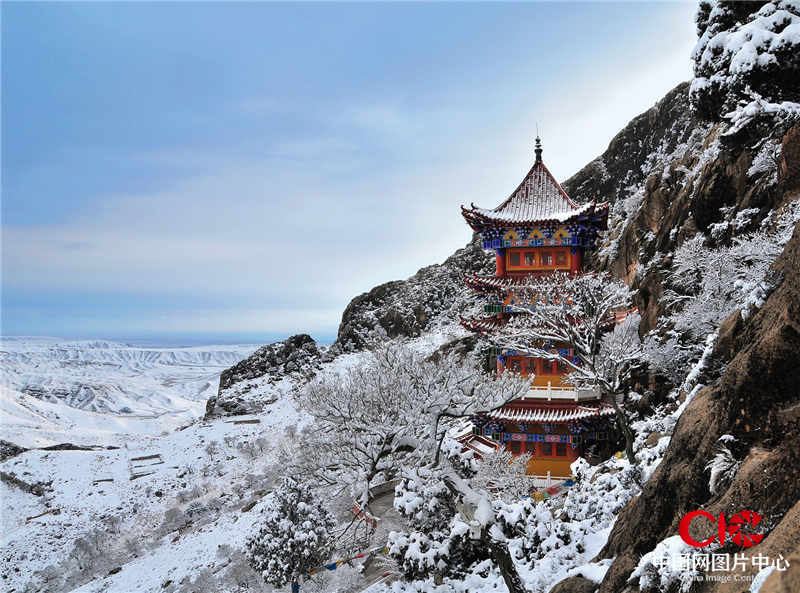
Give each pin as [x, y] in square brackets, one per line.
[295, 232]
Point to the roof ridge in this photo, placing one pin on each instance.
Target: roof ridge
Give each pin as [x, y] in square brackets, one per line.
[522, 183]
[574, 205]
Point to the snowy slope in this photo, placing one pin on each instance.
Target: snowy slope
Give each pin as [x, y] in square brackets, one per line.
[163, 512]
[137, 390]
[30, 422]
[165, 505]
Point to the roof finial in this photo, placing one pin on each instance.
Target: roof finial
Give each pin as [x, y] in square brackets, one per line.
[538, 150]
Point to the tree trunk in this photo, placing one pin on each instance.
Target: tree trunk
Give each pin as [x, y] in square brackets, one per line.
[502, 558]
[625, 428]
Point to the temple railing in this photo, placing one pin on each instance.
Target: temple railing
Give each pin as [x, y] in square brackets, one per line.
[547, 480]
[549, 392]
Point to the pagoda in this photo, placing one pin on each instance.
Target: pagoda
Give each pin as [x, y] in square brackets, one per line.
[537, 230]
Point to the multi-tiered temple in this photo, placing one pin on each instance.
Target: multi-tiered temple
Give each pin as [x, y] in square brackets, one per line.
[538, 230]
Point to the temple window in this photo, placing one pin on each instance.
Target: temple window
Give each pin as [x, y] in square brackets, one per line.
[530, 258]
[513, 258]
[561, 258]
[547, 449]
[515, 447]
[530, 448]
[516, 365]
[548, 366]
[547, 258]
[529, 366]
[561, 450]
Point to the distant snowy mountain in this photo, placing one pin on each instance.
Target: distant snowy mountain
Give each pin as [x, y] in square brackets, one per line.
[75, 384]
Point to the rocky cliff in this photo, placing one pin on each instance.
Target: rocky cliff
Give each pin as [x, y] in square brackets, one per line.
[272, 369]
[757, 402]
[670, 177]
[433, 297]
[756, 398]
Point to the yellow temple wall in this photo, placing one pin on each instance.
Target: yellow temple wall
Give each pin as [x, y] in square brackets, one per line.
[556, 466]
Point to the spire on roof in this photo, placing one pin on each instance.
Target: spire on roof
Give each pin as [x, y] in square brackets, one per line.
[538, 200]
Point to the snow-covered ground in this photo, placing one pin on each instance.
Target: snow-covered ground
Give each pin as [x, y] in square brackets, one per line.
[165, 511]
[95, 392]
[161, 509]
[171, 511]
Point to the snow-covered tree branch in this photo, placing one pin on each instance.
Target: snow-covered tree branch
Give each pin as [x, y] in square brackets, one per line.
[395, 408]
[295, 535]
[388, 419]
[572, 319]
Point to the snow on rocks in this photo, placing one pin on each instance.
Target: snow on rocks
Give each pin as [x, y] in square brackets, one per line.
[594, 571]
[661, 569]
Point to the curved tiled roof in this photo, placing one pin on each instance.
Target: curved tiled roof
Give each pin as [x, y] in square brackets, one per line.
[559, 413]
[495, 283]
[538, 199]
[482, 324]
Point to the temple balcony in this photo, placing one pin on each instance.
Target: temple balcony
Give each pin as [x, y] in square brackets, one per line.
[562, 392]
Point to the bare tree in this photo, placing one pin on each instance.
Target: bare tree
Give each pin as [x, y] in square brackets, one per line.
[388, 418]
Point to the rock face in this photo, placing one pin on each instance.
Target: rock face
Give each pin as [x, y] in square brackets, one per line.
[292, 355]
[757, 401]
[295, 359]
[575, 585]
[669, 175]
[434, 295]
[706, 177]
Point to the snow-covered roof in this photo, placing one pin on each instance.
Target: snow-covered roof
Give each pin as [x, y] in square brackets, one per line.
[481, 324]
[497, 283]
[538, 199]
[559, 413]
[481, 445]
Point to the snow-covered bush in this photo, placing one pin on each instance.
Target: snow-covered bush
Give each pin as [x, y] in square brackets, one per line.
[447, 554]
[706, 283]
[425, 501]
[548, 540]
[295, 535]
[668, 567]
[723, 466]
[439, 541]
[504, 474]
[745, 45]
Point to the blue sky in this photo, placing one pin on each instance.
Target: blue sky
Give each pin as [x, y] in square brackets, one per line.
[232, 171]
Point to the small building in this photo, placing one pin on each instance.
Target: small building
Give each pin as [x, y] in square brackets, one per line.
[537, 230]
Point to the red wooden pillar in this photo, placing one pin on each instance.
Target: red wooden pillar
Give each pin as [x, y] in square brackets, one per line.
[576, 262]
[500, 262]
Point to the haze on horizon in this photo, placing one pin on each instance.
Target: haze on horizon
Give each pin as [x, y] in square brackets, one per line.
[216, 170]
